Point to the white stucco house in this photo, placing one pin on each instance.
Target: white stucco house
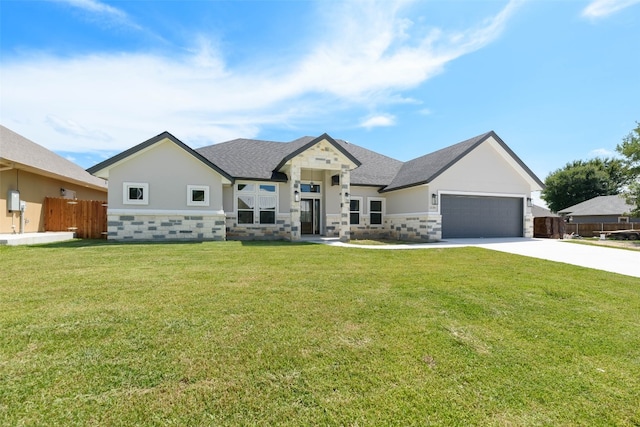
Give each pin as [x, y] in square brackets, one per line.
[251, 189]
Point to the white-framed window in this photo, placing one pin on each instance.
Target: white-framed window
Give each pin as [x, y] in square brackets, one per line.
[355, 209]
[376, 210]
[197, 195]
[256, 203]
[623, 219]
[135, 193]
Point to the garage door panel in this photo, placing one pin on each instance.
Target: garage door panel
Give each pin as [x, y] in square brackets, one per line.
[481, 216]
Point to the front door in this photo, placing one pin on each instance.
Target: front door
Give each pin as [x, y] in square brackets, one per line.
[310, 216]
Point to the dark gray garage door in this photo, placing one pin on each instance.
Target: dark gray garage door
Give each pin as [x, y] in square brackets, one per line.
[471, 216]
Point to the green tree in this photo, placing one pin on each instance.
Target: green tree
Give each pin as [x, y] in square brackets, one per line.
[630, 149]
[582, 180]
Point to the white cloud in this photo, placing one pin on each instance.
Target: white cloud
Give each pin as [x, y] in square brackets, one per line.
[601, 152]
[95, 7]
[114, 101]
[107, 13]
[602, 8]
[378, 121]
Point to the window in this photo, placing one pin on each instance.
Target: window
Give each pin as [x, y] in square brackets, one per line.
[197, 195]
[310, 188]
[623, 219]
[265, 210]
[375, 211]
[135, 193]
[354, 211]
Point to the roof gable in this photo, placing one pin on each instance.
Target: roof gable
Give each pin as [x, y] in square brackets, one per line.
[18, 151]
[263, 160]
[425, 169]
[306, 146]
[102, 169]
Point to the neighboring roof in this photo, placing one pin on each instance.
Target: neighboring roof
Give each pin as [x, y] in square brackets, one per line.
[426, 168]
[600, 205]
[103, 167]
[19, 152]
[539, 211]
[256, 159]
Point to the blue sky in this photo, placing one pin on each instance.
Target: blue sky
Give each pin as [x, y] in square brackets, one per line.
[557, 80]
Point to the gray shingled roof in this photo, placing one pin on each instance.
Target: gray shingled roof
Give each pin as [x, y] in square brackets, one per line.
[250, 158]
[600, 205]
[26, 154]
[256, 159]
[424, 169]
[539, 211]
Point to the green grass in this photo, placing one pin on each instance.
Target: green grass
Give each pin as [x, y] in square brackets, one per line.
[234, 333]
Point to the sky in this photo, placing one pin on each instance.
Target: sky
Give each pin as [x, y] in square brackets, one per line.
[557, 80]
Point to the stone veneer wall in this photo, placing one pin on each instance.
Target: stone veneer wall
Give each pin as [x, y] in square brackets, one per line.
[280, 231]
[411, 228]
[414, 228]
[366, 231]
[332, 228]
[165, 227]
[528, 226]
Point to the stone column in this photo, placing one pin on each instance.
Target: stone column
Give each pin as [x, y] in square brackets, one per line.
[294, 209]
[345, 188]
[528, 225]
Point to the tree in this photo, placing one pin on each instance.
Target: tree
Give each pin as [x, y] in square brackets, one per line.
[630, 149]
[583, 180]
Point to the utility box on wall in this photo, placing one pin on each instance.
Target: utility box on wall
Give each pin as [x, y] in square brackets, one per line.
[13, 201]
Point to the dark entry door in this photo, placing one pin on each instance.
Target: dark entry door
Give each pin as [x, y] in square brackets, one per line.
[310, 216]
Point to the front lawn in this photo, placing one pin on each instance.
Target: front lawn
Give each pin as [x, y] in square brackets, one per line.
[231, 333]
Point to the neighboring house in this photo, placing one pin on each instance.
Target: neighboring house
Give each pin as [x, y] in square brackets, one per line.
[35, 173]
[601, 209]
[252, 189]
[540, 212]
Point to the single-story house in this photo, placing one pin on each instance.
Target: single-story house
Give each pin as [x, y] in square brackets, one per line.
[29, 173]
[600, 209]
[316, 186]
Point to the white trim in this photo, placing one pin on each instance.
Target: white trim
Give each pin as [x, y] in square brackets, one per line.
[382, 211]
[360, 211]
[196, 212]
[191, 188]
[125, 193]
[256, 194]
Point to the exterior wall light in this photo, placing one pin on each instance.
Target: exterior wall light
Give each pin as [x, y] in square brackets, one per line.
[529, 202]
[346, 195]
[434, 199]
[296, 196]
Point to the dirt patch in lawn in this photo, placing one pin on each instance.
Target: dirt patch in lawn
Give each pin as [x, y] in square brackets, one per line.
[623, 244]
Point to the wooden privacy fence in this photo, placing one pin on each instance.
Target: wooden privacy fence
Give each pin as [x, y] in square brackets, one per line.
[87, 218]
[550, 227]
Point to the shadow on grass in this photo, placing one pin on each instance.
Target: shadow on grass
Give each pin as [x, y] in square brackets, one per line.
[83, 243]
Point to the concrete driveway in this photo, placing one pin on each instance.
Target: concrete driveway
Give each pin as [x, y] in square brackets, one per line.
[610, 259]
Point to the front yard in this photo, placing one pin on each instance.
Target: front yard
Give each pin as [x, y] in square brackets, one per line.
[234, 333]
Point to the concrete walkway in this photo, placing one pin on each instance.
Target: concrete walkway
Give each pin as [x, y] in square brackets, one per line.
[610, 259]
[35, 238]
